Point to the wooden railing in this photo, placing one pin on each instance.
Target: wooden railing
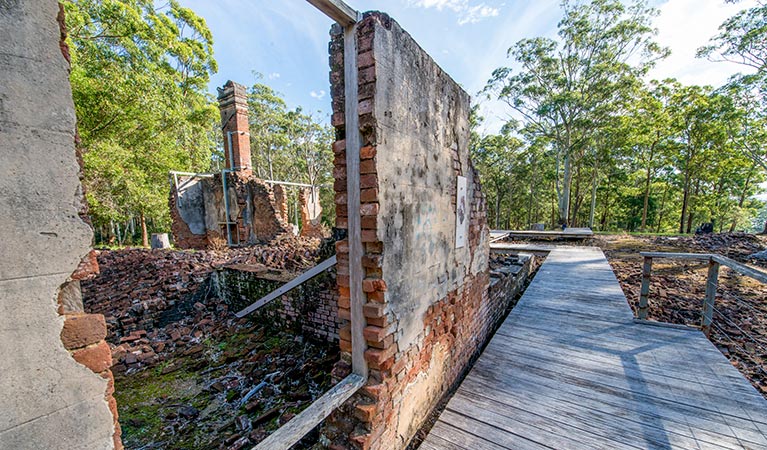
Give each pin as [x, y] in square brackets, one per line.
[712, 281]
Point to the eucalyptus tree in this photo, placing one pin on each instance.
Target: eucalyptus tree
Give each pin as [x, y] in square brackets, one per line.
[648, 127]
[494, 157]
[139, 78]
[561, 85]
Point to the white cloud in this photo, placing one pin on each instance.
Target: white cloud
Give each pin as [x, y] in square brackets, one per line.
[274, 75]
[317, 94]
[466, 11]
[686, 25]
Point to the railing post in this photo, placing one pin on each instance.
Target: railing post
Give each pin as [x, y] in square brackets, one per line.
[645, 292]
[712, 282]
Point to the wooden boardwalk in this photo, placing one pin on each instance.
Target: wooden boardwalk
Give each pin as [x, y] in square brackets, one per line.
[569, 369]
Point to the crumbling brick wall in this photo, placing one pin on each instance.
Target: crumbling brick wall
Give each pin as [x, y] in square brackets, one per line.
[55, 378]
[281, 200]
[428, 309]
[311, 213]
[310, 309]
[198, 211]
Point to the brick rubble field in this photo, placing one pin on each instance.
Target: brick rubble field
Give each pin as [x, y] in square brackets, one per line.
[187, 373]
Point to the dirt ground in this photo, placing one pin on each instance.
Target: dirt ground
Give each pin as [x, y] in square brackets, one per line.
[678, 287]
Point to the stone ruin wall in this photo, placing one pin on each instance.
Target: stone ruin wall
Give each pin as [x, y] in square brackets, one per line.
[428, 308]
[56, 383]
[198, 211]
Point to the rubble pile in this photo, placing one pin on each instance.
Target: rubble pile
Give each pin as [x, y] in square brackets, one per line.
[225, 386]
[139, 289]
[188, 374]
[740, 246]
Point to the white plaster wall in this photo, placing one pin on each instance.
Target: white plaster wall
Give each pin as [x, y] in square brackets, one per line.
[47, 399]
[422, 115]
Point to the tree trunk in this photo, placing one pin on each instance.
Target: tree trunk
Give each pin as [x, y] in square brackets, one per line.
[577, 199]
[603, 222]
[593, 207]
[742, 198]
[564, 198]
[685, 200]
[497, 208]
[662, 208]
[144, 234]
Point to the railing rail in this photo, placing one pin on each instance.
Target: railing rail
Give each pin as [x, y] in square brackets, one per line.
[715, 261]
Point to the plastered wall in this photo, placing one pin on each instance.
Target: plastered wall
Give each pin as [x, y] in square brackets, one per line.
[427, 308]
[49, 400]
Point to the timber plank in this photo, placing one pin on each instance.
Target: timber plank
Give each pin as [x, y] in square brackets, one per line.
[569, 368]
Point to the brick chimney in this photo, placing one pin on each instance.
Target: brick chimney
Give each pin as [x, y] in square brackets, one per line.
[233, 104]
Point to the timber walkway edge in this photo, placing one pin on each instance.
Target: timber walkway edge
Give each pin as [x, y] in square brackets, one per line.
[569, 369]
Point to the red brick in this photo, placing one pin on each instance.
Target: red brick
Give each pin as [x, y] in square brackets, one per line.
[381, 359]
[375, 334]
[365, 106]
[365, 413]
[367, 152]
[372, 285]
[374, 247]
[369, 195]
[369, 222]
[344, 301]
[368, 181]
[88, 267]
[337, 119]
[110, 381]
[375, 391]
[378, 321]
[373, 261]
[368, 166]
[377, 296]
[374, 310]
[369, 236]
[98, 358]
[367, 75]
[369, 209]
[339, 146]
[365, 59]
[82, 330]
[345, 332]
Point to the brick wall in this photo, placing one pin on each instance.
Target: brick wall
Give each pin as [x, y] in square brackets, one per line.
[428, 309]
[310, 309]
[257, 211]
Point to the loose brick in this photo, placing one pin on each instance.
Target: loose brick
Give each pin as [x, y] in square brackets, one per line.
[82, 330]
[98, 357]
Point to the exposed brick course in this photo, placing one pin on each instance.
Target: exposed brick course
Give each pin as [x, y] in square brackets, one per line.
[419, 345]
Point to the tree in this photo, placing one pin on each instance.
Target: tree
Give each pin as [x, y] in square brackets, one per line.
[290, 145]
[139, 78]
[563, 86]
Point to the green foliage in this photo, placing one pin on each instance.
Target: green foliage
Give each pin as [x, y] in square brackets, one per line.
[290, 145]
[595, 145]
[567, 87]
[139, 79]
